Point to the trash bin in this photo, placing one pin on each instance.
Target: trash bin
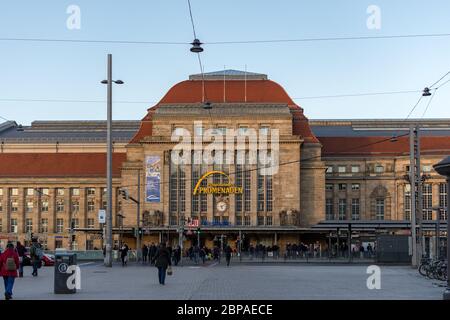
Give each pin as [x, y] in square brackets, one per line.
[62, 272]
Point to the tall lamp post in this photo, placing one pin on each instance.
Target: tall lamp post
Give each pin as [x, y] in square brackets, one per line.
[443, 168]
[109, 82]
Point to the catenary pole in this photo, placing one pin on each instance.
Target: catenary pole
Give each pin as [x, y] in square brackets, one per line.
[108, 255]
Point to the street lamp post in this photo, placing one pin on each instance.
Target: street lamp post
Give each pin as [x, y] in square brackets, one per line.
[443, 168]
[109, 82]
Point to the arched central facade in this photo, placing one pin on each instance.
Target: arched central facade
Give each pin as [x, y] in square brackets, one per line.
[268, 208]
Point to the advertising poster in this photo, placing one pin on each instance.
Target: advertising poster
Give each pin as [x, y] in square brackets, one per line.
[152, 178]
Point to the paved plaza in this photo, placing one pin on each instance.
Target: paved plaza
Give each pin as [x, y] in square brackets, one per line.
[244, 281]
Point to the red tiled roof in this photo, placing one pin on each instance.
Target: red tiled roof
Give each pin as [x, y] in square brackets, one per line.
[58, 164]
[258, 91]
[371, 146]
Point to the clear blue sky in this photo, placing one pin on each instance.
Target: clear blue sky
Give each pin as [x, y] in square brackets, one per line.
[73, 71]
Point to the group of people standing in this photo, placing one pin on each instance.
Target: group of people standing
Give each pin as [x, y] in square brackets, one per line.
[12, 262]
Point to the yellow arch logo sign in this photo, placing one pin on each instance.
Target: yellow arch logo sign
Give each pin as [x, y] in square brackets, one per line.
[216, 188]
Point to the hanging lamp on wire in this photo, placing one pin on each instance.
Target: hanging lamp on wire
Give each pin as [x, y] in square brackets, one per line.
[196, 46]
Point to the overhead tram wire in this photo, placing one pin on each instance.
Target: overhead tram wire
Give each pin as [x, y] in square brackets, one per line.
[435, 92]
[330, 39]
[262, 41]
[439, 80]
[204, 94]
[426, 90]
[152, 102]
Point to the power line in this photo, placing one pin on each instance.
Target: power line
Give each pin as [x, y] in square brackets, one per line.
[153, 102]
[192, 19]
[428, 104]
[439, 80]
[432, 35]
[73, 101]
[331, 39]
[94, 41]
[357, 94]
[435, 92]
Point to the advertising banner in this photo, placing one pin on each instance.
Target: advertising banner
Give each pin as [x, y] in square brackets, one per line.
[152, 178]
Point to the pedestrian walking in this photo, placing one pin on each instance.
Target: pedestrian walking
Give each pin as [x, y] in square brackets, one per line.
[36, 254]
[144, 253]
[151, 253]
[21, 252]
[124, 254]
[162, 262]
[9, 263]
[228, 252]
[177, 255]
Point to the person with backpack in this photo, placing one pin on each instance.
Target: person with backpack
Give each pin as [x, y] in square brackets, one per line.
[21, 250]
[9, 263]
[36, 254]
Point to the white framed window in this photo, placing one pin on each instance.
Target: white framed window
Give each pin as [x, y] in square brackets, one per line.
[14, 191]
[91, 205]
[44, 206]
[60, 205]
[90, 223]
[60, 191]
[242, 130]
[75, 206]
[342, 186]
[44, 225]
[199, 130]
[379, 168]
[264, 130]
[45, 191]
[427, 168]
[90, 191]
[14, 228]
[29, 206]
[30, 192]
[329, 187]
[342, 169]
[59, 225]
[355, 169]
[14, 205]
[379, 207]
[355, 186]
[28, 225]
[355, 209]
[329, 169]
[75, 191]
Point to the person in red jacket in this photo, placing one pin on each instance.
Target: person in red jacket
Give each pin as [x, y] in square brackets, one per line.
[9, 263]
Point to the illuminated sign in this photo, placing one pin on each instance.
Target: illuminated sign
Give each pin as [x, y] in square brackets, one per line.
[216, 188]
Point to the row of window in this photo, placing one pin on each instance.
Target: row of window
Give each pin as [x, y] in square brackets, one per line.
[43, 226]
[342, 186]
[342, 210]
[427, 201]
[60, 205]
[222, 129]
[378, 168]
[46, 191]
[177, 187]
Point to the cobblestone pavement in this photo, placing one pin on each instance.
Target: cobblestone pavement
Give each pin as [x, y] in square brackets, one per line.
[216, 281]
